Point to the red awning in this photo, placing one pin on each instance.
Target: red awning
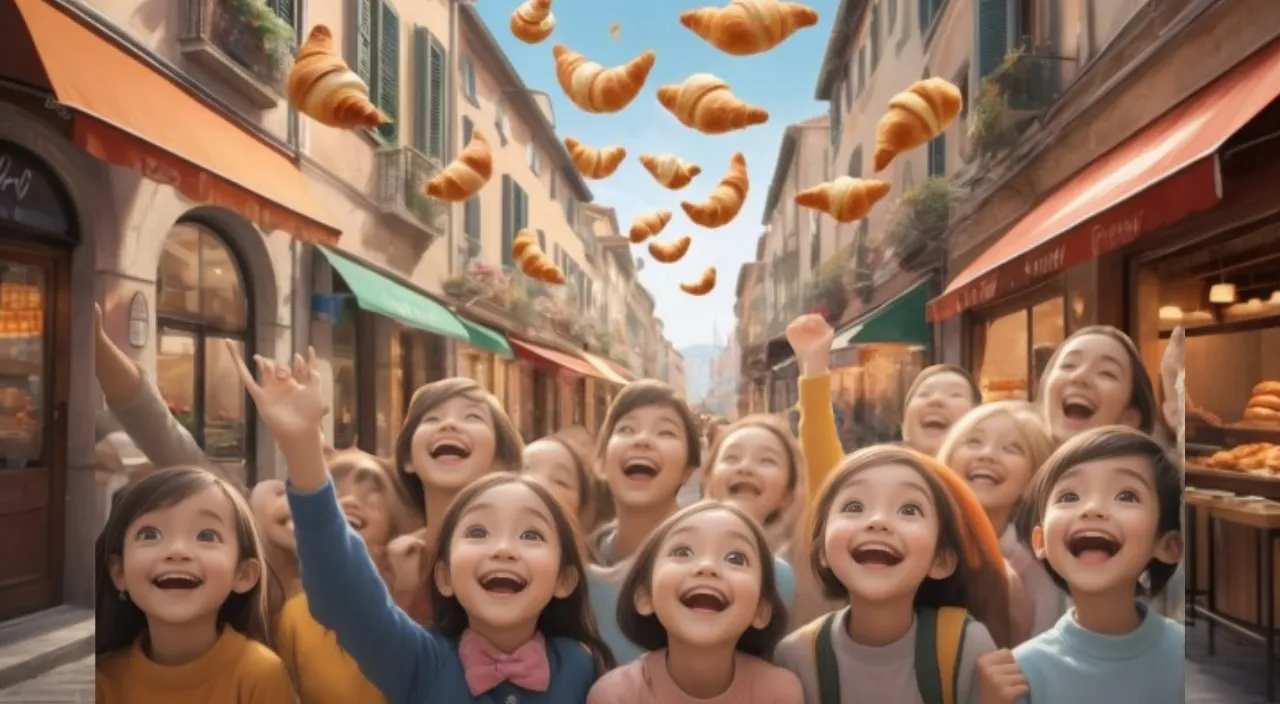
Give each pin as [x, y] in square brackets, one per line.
[1166, 172]
[606, 368]
[127, 114]
[547, 356]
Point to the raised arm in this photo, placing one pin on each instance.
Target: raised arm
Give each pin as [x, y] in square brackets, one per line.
[810, 338]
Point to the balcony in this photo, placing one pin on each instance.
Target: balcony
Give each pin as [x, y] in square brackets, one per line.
[243, 42]
[1032, 82]
[402, 175]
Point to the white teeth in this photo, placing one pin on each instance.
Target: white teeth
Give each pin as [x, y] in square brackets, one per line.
[183, 576]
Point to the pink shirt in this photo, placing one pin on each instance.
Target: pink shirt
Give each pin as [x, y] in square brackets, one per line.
[646, 681]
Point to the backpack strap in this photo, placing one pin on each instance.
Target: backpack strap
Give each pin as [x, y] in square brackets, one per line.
[939, 644]
[824, 657]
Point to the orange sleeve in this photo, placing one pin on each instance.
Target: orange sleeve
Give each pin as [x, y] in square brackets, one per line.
[818, 439]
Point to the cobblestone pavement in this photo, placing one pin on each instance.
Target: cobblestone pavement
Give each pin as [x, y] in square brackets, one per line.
[1232, 676]
[69, 684]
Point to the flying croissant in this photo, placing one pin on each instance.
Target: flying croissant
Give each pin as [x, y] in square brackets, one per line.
[669, 171]
[595, 88]
[748, 27]
[670, 252]
[725, 200]
[466, 175]
[532, 261]
[532, 21]
[647, 225]
[703, 285]
[846, 199]
[321, 86]
[915, 116]
[594, 163]
[704, 103]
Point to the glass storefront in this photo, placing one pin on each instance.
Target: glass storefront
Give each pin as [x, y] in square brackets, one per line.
[868, 389]
[1011, 350]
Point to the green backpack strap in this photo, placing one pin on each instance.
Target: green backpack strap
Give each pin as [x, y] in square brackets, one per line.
[939, 647]
[824, 657]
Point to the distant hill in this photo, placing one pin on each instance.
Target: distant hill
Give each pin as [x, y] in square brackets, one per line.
[697, 370]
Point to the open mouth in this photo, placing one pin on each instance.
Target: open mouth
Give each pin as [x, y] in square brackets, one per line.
[744, 489]
[983, 476]
[873, 555]
[1078, 409]
[704, 599]
[640, 469]
[356, 522]
[938, 423]
[1093, 546]
[449, 448]
[503, 583]
[177, 580]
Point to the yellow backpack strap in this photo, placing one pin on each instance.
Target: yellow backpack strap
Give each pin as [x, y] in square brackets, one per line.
[951, 623]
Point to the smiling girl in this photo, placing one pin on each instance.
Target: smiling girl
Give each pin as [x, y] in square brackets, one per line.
[1096, 378]
[756, 465]
[703, 600]
[561, 464]
[181, 612]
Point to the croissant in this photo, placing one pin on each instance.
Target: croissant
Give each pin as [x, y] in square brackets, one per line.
[465, 175]
[748, 27]
[595, 88]
[532, 261]
[915, 116]
[703, 285]
[647, 225]
[669, 171]
[670, 252]
[846, 199]
[321, 86]
[594, 163]
[704, 103]
[532, 21]
[726, 199]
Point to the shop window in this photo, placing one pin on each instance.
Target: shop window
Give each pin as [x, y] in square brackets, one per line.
[24, 386]
[1012, 350]
[343, 366]
[201, 304]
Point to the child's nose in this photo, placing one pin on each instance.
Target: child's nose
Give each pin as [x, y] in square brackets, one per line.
[707, 567]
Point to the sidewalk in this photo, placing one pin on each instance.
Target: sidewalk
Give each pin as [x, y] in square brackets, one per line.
[69, 684]
[1232, 676]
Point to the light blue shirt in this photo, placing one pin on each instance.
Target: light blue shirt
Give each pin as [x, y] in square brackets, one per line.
[1069, 665]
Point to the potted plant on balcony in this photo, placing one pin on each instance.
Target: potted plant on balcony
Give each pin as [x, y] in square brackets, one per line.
[479, 280]
[828, 294]
[1024, 84]
[920, 220]
[253, 35]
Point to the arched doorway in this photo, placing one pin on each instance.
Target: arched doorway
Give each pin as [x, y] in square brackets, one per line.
[37, 235]
[202, 301]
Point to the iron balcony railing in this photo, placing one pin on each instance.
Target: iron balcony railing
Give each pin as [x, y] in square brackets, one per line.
[402, 176]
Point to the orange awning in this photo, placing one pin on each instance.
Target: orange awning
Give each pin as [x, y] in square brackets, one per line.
[606, 368]
[555, 358]
[129, 115]
[1166, 172]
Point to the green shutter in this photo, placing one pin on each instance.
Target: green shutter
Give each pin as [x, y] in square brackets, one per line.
[389, 70]
[286, 10]
[508, 218]
[542, 241]
[937, 155]
[993, 35]
[421, 96]
[523, 211]
[436, 87]
[467, 128]
[361, 58]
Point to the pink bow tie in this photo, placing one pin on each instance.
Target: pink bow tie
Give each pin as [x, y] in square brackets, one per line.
[487, 667]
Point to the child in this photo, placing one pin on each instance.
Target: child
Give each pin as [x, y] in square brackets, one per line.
[180, 607]
[271, 515]
[559, 463]
[905, 543]
[938, 397]
[1107, 508]
[997, 448]
[756, 465]
[648, 448]
[511, 617]
[702, 599]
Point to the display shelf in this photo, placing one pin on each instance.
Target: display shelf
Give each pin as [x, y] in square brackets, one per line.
[1241, 483]
[1245, 432]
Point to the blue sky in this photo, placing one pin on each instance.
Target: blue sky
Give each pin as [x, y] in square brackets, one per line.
[781, 80]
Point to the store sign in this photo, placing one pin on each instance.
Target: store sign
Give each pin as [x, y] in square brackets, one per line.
[1112, 235]
[29, 198]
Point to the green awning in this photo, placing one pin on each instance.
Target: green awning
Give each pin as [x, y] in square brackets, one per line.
[900, 320]
[378, 293]
[487, 339]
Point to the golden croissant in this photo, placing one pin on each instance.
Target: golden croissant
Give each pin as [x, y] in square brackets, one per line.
[594, 163]
[915, 116]
[532, 261]
[669, 171]
[726, 199]
[532, 21]
[321, 86]
[704, 103]
[670, 252]
[846, 199]
[647, 225]
[746, 27]
[703, 285]
[595, 88]
[466, 175]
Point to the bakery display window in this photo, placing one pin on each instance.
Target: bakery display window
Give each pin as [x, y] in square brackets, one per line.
[1011, 349]
[868, 389]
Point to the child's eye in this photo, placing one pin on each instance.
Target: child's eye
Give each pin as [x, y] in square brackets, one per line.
[209, 535]
[667, 434]
[147, 534]
[736, 558]
[729, 458]
[769, 461]
[680, 551]
[1014, 450]
[534, 535]
[1127, 496]
[476, 532]
[972, 442]
[1110, 375]
[911, 510]
[851, 507]
[430, 419]
[1066, 497]
[563, 484]
[622, 430]
[475, 416]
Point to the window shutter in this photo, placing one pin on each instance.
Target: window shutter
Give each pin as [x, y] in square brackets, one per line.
[875, 35]
[937, 155]
[361, 59]
[471, 225]
[389, 70]
[422, 95]
[524, 207]
[993, 35]
[436, 82]
[508, 218]
[286, 10]
[542, 242]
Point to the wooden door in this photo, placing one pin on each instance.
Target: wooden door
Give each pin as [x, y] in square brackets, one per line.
[34, 321]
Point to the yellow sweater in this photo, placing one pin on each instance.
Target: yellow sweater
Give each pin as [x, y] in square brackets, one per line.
[236, 670]
[322, 672]
[818, 439]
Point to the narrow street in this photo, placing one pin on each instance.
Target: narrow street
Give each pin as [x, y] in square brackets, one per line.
[69, 684]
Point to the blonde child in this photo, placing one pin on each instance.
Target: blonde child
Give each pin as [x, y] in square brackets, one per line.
[997, 449]
[756, 465]
[905, 543]
[1107, 510]
[181, 612]
[648, 448]
[510, 612]
[702, 599]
